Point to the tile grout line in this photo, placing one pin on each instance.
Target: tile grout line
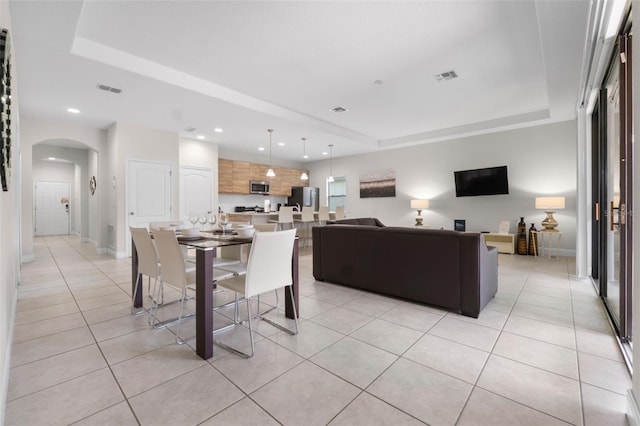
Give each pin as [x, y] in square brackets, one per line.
[91, 331]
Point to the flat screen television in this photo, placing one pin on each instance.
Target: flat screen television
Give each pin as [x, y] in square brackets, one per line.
[487, 181]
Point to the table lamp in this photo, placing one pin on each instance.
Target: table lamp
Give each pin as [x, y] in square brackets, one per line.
[549, 205]
[419, 205]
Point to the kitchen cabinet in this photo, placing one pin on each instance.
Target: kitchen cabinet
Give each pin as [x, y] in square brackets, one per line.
[241, 177]
[234, 177]
[225, 176]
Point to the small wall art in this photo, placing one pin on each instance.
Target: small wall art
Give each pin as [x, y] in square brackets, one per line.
[378, 184]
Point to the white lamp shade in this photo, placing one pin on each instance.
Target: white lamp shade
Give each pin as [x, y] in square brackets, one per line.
[420, 204]
[549, 203]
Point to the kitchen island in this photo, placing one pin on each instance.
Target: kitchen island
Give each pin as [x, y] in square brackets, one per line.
[254, 217]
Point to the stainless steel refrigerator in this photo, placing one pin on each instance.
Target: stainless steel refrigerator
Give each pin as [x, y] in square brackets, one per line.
[304, 196]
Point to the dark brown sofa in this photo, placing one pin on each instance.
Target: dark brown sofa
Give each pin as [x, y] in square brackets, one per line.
[454, 270]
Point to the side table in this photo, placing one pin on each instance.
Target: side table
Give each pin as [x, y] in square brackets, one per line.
[543, 237]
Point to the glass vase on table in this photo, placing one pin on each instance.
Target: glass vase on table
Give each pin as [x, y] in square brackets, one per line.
[211, 219]
[193, 218]
[223, 220]
[203, 221]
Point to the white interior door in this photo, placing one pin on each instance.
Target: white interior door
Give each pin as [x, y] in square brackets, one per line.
[51, 208]
[148, 195]
[195, 191]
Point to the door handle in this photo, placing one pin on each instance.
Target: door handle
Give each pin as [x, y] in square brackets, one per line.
[131, 213]
[611, 222]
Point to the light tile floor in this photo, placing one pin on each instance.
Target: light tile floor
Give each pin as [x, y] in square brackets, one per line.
[541, 353]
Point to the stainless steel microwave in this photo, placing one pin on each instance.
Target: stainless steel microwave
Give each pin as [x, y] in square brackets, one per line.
[259, 187]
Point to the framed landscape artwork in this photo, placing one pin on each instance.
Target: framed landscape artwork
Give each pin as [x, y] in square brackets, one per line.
[378, 184]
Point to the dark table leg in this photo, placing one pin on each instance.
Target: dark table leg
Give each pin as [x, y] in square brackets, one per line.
[288, 308]
[204, 302]
[136, 280]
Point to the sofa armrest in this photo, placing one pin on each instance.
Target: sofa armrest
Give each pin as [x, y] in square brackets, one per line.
[479, 274]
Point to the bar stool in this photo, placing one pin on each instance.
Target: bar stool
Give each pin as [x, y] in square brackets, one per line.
[306, 218]
[285, 216]
[323, 214]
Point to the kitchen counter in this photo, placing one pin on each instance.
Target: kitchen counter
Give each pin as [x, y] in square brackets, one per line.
[254, 217]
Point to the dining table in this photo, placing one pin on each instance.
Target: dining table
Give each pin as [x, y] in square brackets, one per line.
[205, 246]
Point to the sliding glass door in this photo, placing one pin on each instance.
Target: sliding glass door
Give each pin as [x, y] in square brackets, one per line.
[612, 189]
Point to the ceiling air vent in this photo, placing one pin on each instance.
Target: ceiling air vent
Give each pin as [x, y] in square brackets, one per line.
[190, 129]
[109, 88]
[339, 109]
[449, 75]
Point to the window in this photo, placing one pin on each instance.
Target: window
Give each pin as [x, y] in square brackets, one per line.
[337, 192]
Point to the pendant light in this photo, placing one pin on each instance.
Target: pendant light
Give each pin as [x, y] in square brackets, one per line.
[304, 175]
[270, 172]
[330, 164]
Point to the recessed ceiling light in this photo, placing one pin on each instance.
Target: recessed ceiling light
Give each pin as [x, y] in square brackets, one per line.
[51, 158]
[218, 130]
[200, 137]
[338, 109]
[260, 148]
[305, 156]
[280, 143]
[73, 110]
[325, 153]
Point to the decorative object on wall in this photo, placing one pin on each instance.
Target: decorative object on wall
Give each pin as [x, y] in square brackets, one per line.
[270, 172]
[549, 205]
[378, 184]
[459, 225]
[533, 240]
[92, 185]
[419, 205]
[5, 109]
[522, 237]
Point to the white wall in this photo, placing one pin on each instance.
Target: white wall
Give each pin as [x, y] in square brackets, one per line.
[541, 160]
[34, 131]
[81, 221]
[201, 154]
[135, 143]
[10, 232]
[51, 171]
[92, 200]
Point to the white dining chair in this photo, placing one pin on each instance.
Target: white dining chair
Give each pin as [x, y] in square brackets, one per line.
[268, 269]
[178, 275]
[148, 263]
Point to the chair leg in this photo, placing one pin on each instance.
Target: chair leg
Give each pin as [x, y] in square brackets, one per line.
[135, 293]
[184, 299]
[283, 328]
[234, 350]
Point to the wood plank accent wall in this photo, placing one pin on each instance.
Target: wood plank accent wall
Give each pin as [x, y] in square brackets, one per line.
[234, 177]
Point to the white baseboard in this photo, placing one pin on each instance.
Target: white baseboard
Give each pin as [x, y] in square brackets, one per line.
[633, 411]
[116, 254]
[27, 258]
[84, 240]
